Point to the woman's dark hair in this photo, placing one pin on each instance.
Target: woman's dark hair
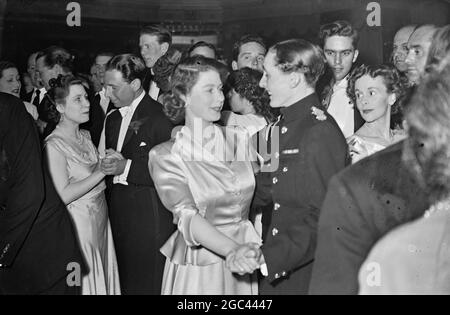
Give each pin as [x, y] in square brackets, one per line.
[392, 79]
[55, 55]
[298, 55]
[184, 77]
[427, 150]
[59, 90]
[4, 64]
[164, 68]
[246, 83]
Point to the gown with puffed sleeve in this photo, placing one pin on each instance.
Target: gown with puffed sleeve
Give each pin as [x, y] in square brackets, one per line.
[193, 176]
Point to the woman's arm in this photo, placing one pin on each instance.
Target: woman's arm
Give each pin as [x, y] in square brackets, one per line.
[58, 170]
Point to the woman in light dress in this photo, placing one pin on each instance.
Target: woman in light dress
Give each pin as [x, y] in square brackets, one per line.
[205, 177]
[377, 92]
[75, 170]
[250, 102]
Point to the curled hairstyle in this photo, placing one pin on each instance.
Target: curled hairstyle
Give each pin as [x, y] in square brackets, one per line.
[248, 38]
[427, 151]
[184, 77]
[164, 67]
[246, 83]
[55, 55]
[59, 90]
[440, 47]
[338, 28]
[298, 55]
[4, 64]
[131, 66]
[392, 79]
[162, 33]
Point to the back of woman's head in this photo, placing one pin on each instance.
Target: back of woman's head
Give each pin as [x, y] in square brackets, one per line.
[164, 68]
[184, 77]
[392, 79]
[59, 90]
[245, 82]
[428, 147]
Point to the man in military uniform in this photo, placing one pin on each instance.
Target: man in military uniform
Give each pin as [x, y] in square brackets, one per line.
[311, 150]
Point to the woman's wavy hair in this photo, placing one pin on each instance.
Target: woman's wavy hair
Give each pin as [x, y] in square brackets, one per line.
[427, 150]
[392, 79]
[439, 49]
[298, 55]
[246, 83]
[184, 77]
[59, 90]
[164, 68]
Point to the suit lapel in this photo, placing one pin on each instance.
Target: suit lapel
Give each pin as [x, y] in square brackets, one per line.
[136, 121]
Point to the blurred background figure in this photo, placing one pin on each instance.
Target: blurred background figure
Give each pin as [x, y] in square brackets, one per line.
[248, 51]
[377, 92]
[203, 49]
[249, 102]
[10, 83]
[400, 47]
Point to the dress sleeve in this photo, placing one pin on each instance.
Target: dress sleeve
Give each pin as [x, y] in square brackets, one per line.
[173, 189]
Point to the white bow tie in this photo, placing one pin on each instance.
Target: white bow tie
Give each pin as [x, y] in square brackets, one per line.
[124, 111]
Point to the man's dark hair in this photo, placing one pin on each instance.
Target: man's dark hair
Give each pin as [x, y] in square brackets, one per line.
[163, 34]
[55, 55]
[202, 44]
[244, 40]
[131, 66]
[339, 28]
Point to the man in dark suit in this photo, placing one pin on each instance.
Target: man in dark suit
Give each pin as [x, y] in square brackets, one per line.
[38, 244]
[139, 222]
[363, 203]
[339, 42]
[154, 42]
[311, 150]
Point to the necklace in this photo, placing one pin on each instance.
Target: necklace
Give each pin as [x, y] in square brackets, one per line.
[78, 138]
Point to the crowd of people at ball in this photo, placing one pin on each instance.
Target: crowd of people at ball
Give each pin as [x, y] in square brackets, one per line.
[98, 183]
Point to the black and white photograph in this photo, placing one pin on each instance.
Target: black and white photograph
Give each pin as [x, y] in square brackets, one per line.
[224, 151]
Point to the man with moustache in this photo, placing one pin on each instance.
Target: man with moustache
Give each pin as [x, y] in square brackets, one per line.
[339, 42]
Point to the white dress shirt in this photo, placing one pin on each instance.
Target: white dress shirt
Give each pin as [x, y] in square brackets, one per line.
[104, 100]
[127, 113]
[42, 90]
[342, 109]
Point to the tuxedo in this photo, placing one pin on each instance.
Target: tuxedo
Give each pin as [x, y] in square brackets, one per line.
[139, 222]
[311, 150]
[363, 203]
[96, 119]
[37, 239]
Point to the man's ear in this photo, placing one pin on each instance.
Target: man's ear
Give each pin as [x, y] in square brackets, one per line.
[60, 108]
[295, 78]
[136, 84]
[355, 56]
[164, 48]
[234, 65]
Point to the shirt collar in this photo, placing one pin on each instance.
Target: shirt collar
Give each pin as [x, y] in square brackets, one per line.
[301, 109]
[341, 84]
[131, 108]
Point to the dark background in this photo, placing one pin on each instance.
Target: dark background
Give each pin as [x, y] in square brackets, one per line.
[30, 25]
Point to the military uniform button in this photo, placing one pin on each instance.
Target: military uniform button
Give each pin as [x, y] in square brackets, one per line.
[277, 276]
[274, 180]
[285, 169]
[274, 231]
[276, 206]
[283, 274]
[284, 129]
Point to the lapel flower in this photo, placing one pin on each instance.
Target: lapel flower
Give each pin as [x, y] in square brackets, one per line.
[320, 115]
[136, 124]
